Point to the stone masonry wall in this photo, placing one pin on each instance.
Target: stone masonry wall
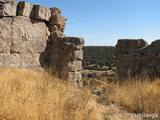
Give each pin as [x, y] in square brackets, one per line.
[135, 57]
[32, 36]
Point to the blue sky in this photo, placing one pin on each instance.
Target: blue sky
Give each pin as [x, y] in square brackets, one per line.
[103, 22]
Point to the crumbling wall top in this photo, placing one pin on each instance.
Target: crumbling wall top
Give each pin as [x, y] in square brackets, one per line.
[131, 43]
[155, 43]
[5, 1]
[55, 10]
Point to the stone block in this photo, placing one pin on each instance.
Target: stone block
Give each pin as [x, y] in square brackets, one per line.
[75, 40]
[55, 11]
[8, 9]
[57, 19]
[71, 55]
[25, 60]
[21, 46]
[9, 60]
[72, 42]
[29, 60]
[57, 23]
[4, 46]
[24, 8]
[75, 65]
[131, 43]
[53, 28]
[78, 55]
[75, 77]
[41, 12]
[56, 35]
[5, 1]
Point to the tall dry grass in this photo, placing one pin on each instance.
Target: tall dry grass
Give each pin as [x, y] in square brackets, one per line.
[29, 95]
[136, 95]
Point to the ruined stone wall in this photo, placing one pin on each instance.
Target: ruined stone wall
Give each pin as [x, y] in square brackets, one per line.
[32, 36]
[135, 57]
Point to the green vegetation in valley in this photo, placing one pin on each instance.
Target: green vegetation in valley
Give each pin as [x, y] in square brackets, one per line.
[99, 57]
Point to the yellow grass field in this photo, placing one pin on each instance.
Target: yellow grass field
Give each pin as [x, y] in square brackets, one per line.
[29, 95]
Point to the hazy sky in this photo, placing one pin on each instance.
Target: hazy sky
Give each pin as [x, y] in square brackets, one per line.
[103, 22]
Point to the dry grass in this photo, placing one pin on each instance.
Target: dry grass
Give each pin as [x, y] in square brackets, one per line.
[29, 95]
[136, 95]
